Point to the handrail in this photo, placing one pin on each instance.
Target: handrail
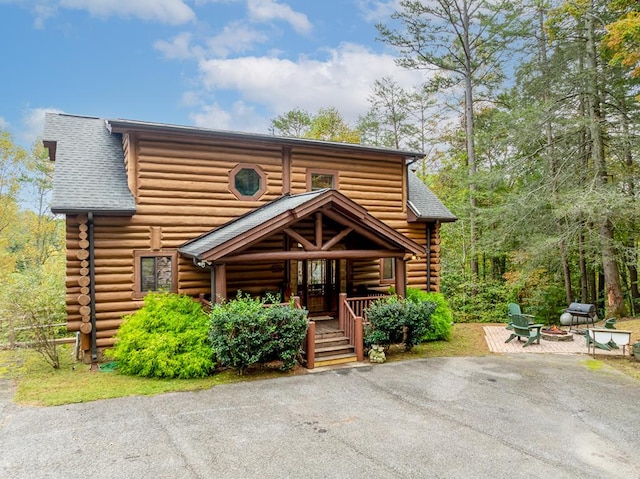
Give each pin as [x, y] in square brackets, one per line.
[351, 324]
[206, 304]
[360, 304]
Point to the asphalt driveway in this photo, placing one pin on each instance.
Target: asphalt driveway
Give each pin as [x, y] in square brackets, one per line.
[490, 417]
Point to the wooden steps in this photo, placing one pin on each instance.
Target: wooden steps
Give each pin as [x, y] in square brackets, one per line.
[332, 347]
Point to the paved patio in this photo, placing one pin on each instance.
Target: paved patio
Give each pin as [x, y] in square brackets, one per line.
[497, 335]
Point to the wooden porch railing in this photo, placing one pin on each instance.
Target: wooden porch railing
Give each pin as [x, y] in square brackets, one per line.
[351, 318]
[359, 305]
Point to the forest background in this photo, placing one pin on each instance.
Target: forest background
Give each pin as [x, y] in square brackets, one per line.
[529, 123]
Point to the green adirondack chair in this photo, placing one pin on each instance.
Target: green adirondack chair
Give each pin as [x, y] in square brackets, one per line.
[514, 309]
[523, 329]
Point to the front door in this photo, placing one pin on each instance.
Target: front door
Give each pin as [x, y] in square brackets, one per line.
[318, 285]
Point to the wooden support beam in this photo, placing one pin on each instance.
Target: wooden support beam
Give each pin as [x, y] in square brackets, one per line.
[336, 239]
[299, 255]
[311, 345]
[401, 278]
[318, 230]
[221, 282]
[361, 231]
[307, 245]
[286, 170]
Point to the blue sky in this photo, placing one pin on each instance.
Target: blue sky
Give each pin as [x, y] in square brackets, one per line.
[225, 64]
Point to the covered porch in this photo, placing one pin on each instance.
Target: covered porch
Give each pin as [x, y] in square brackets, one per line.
[314, 246]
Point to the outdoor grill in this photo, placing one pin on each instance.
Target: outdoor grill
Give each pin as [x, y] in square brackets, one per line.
[582, 313]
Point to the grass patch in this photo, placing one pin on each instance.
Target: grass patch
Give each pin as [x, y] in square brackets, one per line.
[593, 364]
[467, 340]
[40, 385]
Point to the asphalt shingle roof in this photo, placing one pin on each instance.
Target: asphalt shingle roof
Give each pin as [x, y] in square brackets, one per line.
[89, 171]
[424, 203]
[243, 224]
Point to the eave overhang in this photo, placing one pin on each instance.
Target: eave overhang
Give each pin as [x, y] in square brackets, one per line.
[127, 126]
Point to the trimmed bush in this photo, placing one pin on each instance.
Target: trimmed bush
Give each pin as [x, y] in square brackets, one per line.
[393, 320]
[166, 338]
[243, 332]
[441, 327]
[290, 330]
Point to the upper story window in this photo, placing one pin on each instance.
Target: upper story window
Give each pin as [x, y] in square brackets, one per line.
[247, 182]
[321, 179]
[155, 271]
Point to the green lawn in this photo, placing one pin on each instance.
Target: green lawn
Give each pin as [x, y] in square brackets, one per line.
[39, 385]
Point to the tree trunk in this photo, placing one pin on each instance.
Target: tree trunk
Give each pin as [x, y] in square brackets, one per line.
[470, 142]
[584, 276]
[614, 299]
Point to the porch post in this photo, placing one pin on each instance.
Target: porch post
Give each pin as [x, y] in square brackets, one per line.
[212, 286]
[311, 345]
[342, 299]
[220, 279]
[401, 277]
[359, 340]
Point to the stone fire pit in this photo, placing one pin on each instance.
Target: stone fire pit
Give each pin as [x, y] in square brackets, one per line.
[554, 333]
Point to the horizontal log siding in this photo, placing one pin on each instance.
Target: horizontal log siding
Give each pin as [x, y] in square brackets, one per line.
[257, 278]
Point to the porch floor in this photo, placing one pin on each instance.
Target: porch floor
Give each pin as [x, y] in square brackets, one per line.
[326, 325]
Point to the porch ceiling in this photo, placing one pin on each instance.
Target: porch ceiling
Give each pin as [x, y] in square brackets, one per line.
[279, 215]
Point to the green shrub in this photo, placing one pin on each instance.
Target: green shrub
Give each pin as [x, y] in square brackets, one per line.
[488, 305]
[441, 327]
[166, 338]
[393, 320]
[243, 332]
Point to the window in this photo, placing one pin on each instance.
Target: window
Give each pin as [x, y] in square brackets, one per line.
[155, 271]
[387, 270]
[321, 179]
[247, 182]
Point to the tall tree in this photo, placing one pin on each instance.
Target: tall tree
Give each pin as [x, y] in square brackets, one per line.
[295, 123]
[327, 124]
[389, 104]
[623, 36]
[462, 41]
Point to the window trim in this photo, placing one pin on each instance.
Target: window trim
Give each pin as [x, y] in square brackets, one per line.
[232, 181]
[317, 171]
[137, 270]
[391, 280]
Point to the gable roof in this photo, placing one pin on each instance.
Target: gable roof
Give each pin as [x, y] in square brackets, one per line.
[424, 204]
[89, 171]
[277, 215]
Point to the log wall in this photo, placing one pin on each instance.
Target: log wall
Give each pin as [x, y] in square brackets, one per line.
[181, 187]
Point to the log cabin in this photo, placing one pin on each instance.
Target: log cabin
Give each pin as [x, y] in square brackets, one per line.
[208, 213]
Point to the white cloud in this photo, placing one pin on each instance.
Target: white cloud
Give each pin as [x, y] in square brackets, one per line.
[342, 80]
[236, 37]
[378, 10]
[173, 12]
[267, 10]
[4, 124]
[179, 47]
[33, 123]
[241, 117]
